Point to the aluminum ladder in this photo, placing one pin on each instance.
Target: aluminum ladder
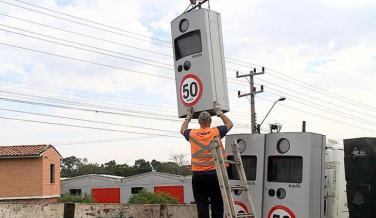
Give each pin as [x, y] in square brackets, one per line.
[226, 188]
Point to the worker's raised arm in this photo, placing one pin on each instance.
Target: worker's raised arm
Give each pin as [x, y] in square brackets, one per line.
[225, 119]
[187, 120]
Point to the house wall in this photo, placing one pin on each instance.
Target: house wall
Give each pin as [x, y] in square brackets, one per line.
[87, 183]
[150, 181]
[50, 156]
[144, 181]
[21, 177]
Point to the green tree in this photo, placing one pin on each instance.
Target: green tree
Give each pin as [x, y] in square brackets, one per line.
[142, 166]
[79, 198]
[146, 197]
[70, 165]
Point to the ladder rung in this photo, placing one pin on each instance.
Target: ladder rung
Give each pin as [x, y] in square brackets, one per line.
[238, 187]
[231, 162]
[249, 215]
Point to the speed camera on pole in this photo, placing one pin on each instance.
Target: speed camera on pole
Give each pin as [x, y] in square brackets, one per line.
[200, 71]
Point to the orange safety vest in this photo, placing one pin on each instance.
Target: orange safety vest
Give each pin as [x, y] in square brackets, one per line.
[201, 139]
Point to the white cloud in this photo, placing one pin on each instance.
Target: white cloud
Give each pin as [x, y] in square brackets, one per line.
[317, 42]
[349, 3]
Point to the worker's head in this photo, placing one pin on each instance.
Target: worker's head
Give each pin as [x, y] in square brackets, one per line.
[204, 119]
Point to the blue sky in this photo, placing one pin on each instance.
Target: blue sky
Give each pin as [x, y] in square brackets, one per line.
[328, 45]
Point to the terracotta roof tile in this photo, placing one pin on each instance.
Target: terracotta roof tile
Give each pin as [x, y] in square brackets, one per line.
[23, 150]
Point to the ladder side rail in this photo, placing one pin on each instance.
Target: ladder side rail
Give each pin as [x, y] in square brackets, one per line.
[223, 179]
[242, 177]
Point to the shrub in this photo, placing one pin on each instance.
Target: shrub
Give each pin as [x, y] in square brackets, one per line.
[78, 198]
[146, 197]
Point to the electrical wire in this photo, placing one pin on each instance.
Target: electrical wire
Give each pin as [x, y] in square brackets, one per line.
[321, 91]
[226, 57]
[85, 120]
[94, 27]
[156, 117]
[70, 90]
[101, 24]
[84, 127]
[347, 116]
[83, 35]
[100, 141]
[85, 61]
[88, 50]
[339, 106]
[337, 121]
[233, 81]
[82, 44]
[136, 38]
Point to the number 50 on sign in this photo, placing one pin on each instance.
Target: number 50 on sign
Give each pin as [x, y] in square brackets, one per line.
[190, 90]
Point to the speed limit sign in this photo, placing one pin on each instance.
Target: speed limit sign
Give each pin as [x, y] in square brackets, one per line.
[190, 90]
[280, 211]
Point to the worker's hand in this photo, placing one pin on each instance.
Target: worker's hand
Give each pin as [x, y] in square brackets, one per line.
[190, 112]
[217, 108]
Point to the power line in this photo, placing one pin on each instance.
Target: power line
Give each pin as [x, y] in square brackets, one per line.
[95, 63]
[97, 110]
[131, 33]
[84, 104]
[84, 127]
[339, 113]
[342, 107]
[46, 40]
[81, 109]
[233, 81]
[89, 62]
[337, 121]
[94, 27]
[91, 21]
[100, 141]
[88, 36]
[101, 99]
[85, 120]
[322, 91]
[82, 44]
[70, 90]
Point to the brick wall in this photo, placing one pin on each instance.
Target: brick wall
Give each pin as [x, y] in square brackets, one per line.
[51, 157]
[30, 177]
[21, 177]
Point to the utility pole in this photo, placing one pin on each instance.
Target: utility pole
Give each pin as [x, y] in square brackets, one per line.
[252, 93]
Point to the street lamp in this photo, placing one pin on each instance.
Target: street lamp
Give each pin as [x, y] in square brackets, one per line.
[259, 125]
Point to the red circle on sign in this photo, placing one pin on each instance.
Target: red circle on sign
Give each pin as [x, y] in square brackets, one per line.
[199, 94]
[241, 205]
[281, 207]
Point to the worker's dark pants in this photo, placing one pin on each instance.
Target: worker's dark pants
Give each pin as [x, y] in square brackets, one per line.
[206, 190]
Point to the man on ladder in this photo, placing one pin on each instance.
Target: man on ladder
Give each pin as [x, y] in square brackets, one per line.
[205, 183]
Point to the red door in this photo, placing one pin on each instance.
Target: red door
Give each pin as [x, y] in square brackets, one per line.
[106, 195]
[174, 191]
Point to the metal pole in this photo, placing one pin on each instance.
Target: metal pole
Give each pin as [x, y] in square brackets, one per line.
[253, 111]
[304, 126]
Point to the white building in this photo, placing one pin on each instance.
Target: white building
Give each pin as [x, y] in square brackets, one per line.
[117, 189]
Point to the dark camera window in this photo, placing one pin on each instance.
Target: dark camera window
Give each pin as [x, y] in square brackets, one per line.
[287, 169]
[187, 44]
[250, 168]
